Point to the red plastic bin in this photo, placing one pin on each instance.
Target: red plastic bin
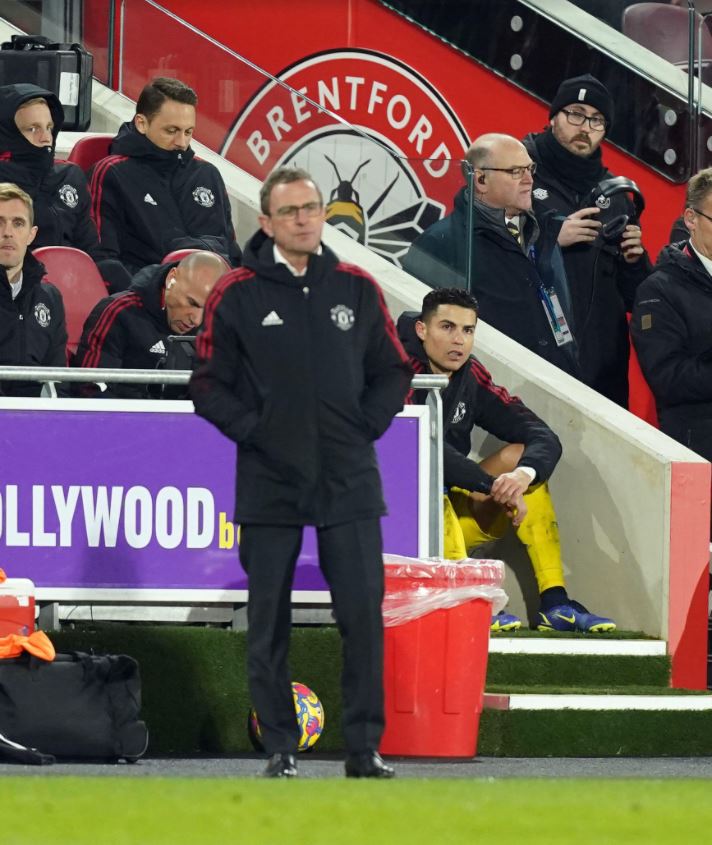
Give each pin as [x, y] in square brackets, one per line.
[17, 607]
[436, 664]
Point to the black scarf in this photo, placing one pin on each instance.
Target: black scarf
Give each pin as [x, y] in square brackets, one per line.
[578, 173]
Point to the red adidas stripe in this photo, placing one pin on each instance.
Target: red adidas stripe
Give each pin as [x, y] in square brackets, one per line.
[355, 270]
[204, 344]
[97, 186]
[484, 379]
[97, 336]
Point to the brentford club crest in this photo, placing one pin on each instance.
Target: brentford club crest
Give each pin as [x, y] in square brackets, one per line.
[388, 171]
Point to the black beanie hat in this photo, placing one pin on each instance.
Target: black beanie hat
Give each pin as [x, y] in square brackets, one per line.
[584, 89]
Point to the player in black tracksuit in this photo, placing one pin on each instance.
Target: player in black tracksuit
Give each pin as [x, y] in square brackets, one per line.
[58, 189]
[148, 201]
[33, 332]
[130, 329]
[304, 373]
[440, 340]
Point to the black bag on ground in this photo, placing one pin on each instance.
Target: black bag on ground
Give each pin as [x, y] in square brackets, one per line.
[64, 69]
[79, 706]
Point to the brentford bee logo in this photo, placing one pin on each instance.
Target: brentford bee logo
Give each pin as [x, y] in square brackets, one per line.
[204, 197]
[42, 314]
[69, 196]
[342, 317]
[383, 146]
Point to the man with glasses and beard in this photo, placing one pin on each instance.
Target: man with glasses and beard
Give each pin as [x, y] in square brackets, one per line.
[603, 276]
[517, 271]
[671, 326]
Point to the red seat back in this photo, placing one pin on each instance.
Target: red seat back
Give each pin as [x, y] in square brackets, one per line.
[663, 29]
[90, 149]
[79, 281]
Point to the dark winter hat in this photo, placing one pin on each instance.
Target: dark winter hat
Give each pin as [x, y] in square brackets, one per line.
[584, 89]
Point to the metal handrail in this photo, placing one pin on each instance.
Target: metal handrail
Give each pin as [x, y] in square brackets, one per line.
[110, 376]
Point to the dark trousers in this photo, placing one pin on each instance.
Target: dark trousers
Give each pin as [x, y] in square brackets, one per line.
[350, 556]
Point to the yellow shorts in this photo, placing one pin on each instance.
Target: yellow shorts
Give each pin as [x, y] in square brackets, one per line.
[462, 532]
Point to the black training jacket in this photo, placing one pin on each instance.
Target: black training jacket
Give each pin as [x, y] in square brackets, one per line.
[471, 400]
[672, 334]
[59, 190]
[304, 374]
[33, 332]
[129, 331]
[601, 282]
[146, 202]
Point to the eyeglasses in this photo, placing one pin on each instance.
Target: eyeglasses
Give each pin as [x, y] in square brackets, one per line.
[697, 211]
[515, 172]
[576, 118]
[290, 212]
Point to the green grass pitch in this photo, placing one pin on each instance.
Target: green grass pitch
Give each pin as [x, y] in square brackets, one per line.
[142, 811]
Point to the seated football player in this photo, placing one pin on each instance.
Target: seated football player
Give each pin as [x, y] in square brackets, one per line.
[509, 486]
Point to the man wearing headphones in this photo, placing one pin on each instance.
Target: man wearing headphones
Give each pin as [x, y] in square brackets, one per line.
[603, 271]
[516, 267]
[130, 329]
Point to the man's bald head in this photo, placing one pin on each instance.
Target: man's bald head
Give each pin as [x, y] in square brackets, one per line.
[188, 286]
[500, 175]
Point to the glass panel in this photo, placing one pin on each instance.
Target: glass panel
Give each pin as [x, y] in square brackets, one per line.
[373, 193]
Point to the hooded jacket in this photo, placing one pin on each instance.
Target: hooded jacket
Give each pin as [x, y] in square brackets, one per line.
[304, 374]
[129, 330]
[506, 277]
[58, 189]
[672, 334]
[147, 202]
[471, 400]
[601, 282]
[33, 332]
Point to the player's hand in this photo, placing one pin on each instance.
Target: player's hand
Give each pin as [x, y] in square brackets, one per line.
[508, 488]
[517, 512]
[578, 228]
[631, 244]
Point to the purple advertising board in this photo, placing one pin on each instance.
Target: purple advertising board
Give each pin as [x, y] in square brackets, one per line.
[98, 497]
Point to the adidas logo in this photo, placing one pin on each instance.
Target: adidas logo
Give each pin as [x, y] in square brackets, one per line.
[158, 348]
[149, 199]
[273, 319]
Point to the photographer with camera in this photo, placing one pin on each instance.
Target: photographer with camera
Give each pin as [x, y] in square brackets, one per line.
[600, 236]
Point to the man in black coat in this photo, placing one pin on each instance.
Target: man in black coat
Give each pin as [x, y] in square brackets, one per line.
[509, 485]
[152, 195]
[130, 329]
[603, 275]
[671, 326]
[30, 120]
[300, 365]
[33, 332]
[516, 268]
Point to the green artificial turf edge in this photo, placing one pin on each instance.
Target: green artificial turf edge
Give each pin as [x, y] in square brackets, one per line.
[195, 698]
[577, 670]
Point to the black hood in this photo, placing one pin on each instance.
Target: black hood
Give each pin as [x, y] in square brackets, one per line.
[13, 144]
[258, 255]
[130, 142]
[412, 344]
[148, 283]
[33, 271]
[682, 257]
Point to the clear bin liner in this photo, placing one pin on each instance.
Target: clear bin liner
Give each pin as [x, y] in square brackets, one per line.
[417, 586]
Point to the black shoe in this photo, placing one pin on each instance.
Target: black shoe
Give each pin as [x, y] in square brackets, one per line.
[368, 764]
[281, 766]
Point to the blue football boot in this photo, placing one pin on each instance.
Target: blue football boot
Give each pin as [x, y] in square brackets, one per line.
[573, 617]
[505, 622]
